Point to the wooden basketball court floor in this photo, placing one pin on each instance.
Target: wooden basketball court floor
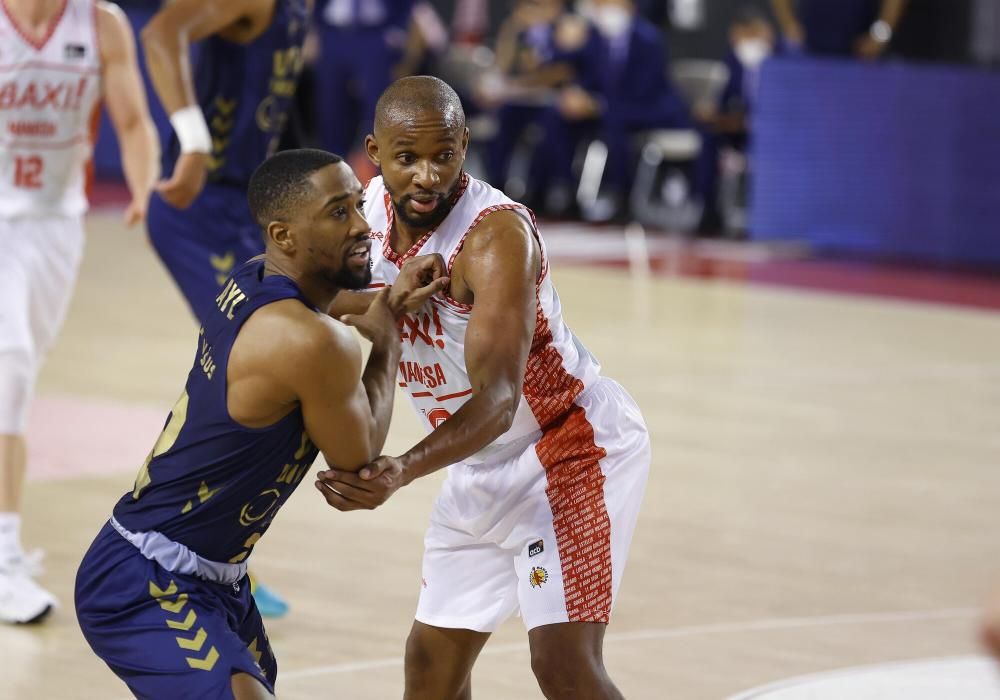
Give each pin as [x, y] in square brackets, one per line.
[823, 491]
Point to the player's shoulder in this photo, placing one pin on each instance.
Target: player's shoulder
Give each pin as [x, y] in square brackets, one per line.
[110, 15]
[298, 334]
[114, 32]
[505, 227]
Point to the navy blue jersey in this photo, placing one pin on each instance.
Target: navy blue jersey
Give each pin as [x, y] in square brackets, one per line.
[210, 483]
[246, 93]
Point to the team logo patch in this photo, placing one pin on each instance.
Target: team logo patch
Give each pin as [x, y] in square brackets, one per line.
[75, 51]
[378, 235]
[537, 577]
[536, 548]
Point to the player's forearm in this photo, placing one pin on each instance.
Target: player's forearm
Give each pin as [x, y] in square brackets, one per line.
[892, 12]
[379, 379]
[480, 421]
[784, 13]
[352, 302]
[169, 66]
[140, 148]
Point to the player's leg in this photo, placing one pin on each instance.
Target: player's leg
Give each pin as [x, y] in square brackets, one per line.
[575, 535]
[39, 275]
[439, 662]
[246, 687]
[568, 661]
[468, 588]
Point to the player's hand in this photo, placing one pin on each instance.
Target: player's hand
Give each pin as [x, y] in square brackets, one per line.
[366, 490]
[136, 212]
[420, 278]
[378, 323]
[186, 182]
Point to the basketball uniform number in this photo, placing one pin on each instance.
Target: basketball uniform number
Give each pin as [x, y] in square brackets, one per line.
[28, 172]
[178, 414]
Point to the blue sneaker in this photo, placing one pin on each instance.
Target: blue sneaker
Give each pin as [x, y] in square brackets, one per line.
[269, 603]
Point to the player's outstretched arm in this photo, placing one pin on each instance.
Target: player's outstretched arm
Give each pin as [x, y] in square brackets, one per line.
[419, 279]
[125, 99]
[502, 263]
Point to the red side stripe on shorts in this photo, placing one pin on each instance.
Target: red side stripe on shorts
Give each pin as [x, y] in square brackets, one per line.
[575, 491]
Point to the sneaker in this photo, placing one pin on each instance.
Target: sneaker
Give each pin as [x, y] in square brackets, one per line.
[269, 603]
[22, 601]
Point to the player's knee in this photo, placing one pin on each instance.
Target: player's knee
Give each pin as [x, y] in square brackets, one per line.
[17, 378]
[419, 661]
[561, 673]
[246, 687]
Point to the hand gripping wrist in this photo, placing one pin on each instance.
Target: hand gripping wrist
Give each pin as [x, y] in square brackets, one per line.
[191, 129]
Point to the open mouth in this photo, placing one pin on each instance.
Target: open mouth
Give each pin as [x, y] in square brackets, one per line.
[359, 252]
[424, 204]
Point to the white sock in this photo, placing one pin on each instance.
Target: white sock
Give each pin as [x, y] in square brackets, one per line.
[10, 536]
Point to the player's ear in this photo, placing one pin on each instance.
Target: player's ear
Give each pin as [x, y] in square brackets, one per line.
[465, 140]
[371, 148]
[281, 236]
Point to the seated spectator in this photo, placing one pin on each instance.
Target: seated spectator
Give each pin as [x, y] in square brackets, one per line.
[861, 28]
[540, 48]
[626, 92]
[724, 126]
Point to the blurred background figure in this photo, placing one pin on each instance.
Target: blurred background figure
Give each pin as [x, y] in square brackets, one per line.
[362, 44]
[628, 93]
[861, 28]
[725, 124]
[540, 49]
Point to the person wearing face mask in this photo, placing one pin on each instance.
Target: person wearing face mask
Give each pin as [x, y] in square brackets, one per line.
[627, 94]
[725, 124]
[540, 48]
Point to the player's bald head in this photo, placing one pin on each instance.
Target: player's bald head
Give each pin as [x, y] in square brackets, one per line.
[409, 99]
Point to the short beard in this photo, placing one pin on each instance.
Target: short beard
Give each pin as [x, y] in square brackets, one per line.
[345, 278]
[430, 220]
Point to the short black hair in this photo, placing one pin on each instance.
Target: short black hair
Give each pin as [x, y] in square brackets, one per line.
[279, 184]
[418, 93]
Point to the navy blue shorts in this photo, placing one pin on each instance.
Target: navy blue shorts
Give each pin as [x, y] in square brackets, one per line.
[168, 635]
[203, 244]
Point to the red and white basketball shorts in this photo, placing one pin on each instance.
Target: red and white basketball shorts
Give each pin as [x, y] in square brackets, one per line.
[545, 532]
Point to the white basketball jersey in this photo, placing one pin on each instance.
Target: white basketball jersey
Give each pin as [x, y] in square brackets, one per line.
[432, 369]
[48, 97]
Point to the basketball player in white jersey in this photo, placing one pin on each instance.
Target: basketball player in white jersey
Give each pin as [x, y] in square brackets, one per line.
[58, 59]
[547, 460]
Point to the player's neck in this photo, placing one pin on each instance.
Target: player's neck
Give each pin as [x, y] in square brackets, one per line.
[33, 16]
[318, 291]
[403, 237]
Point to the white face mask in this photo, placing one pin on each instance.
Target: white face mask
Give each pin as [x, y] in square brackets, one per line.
[752, 52]
[612, 21]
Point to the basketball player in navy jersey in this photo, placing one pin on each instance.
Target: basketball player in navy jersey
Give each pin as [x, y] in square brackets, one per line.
[162, 596]
[227, 118]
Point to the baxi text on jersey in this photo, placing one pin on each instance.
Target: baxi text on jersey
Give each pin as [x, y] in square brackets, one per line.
[63, 96]
[431, 376]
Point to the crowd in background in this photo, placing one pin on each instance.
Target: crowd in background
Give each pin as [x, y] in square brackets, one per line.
[569, 101]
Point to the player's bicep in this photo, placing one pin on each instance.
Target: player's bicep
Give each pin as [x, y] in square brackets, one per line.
[123, 91]
[334, 403]
[502, 275]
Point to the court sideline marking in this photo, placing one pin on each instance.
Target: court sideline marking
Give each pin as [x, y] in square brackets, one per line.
[673, 633]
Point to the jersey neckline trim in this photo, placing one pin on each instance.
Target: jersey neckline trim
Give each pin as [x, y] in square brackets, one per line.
[49, 31]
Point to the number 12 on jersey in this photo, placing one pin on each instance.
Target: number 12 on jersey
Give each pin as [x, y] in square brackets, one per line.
[28, 172]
